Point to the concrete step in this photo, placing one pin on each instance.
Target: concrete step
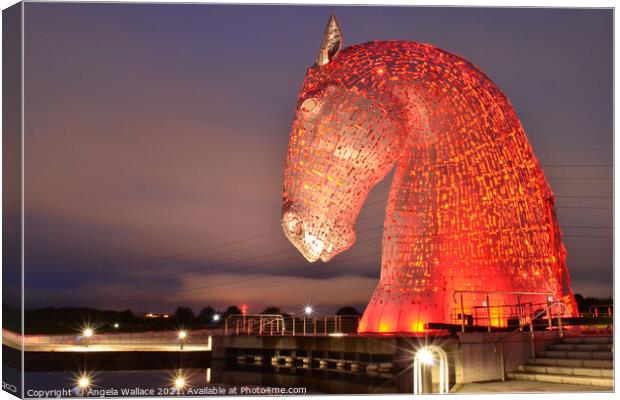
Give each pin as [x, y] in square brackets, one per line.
[588, 340]
[575, 363]
[582, 355]
[580, 347]
[567, 379]
[553, 370]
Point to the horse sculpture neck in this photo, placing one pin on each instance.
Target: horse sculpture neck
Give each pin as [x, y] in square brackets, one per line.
[469, 207]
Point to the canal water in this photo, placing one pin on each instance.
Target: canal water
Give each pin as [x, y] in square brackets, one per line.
[212, 378]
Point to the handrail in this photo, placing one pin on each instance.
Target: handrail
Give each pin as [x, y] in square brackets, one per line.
[549, 295]
[531, 325]
[532, 318]
[454, 293]
[256, 315]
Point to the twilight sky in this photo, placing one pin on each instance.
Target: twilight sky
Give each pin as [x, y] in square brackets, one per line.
[156, 137]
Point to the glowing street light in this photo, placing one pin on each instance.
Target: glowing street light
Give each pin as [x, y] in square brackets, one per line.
[423, 363]
[87, 333]
[425, 356]
[182, 336]
[308, 310]
[216, 317]
[116, 325]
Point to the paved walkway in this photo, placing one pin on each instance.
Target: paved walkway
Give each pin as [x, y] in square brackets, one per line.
[526, 387]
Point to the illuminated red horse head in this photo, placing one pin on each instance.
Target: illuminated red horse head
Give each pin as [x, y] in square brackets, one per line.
[469, 211]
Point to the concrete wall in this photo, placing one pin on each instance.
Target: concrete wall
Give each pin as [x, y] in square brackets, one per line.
[471, 356]
[353, 344]
[478, 360]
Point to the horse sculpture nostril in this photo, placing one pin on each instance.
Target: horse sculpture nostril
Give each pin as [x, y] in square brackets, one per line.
[293, 224]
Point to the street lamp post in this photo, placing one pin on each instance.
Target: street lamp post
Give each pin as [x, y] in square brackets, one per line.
[87, 333]
[307, 313]
[182, 337]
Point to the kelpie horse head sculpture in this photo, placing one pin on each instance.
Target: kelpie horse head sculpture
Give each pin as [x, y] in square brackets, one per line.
[470, 216]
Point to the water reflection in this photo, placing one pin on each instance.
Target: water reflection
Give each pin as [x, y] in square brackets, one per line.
[219, 378]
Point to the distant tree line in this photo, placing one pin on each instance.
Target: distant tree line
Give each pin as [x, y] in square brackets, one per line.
[584, 303]
[52, 320]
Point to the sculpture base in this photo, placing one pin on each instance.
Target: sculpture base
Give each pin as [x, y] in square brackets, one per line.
[392, 310]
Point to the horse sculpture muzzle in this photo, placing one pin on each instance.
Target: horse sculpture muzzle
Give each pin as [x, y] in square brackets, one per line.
[314, 240]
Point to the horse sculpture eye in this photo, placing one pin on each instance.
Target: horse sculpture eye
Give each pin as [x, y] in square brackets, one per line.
[308, 105]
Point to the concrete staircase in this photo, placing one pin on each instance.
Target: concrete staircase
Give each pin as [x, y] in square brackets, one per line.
[578, 360]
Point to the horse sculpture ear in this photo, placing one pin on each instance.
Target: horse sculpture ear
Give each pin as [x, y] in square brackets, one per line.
[332, 42]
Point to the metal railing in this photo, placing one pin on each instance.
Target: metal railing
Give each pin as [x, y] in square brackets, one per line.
[608, 310]
[331, 324]
[254, 324]
[277, 324]
[500, 314]
[548, 311]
